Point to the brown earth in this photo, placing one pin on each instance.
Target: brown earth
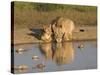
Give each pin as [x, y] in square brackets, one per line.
[25, 35]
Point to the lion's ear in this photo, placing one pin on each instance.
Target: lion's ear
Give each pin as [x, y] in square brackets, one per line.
[50, 26]
[44, 26]
[54, 23]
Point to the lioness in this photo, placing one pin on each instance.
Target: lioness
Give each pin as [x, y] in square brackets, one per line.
[62, 29]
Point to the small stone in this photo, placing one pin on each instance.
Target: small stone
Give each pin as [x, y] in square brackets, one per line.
[81, 46]
[35, 57]
[23, 67]
[20, 51]
[40, 66]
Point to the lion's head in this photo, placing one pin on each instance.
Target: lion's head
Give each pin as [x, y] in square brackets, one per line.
[47, 32]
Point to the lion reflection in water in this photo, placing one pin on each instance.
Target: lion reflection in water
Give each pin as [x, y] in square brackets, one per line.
[64, 53]
[46, 48]
[61, 53]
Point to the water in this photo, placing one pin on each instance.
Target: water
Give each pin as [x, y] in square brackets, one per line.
[47, 57]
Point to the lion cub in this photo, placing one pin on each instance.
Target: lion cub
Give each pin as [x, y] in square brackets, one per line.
[47, 33]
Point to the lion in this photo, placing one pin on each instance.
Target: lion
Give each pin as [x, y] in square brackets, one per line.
[62, 29]
[47, 33]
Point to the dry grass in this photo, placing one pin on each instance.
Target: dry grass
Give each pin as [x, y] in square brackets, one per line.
[28, 17]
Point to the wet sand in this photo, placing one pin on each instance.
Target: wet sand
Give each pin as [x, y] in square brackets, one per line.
[24, 35]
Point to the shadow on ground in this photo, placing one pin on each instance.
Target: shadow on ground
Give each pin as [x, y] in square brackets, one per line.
[36, 33]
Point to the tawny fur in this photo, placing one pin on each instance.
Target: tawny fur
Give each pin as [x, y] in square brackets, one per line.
[63, 29]
[46, 37]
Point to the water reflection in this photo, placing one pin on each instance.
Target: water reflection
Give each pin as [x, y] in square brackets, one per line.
[64, 53]
[44, 57]
[61, 53]
[46, 49]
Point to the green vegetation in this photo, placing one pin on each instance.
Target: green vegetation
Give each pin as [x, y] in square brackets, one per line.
[52, 7]
[29, 13]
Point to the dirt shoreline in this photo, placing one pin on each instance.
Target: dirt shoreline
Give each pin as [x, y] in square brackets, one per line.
[24, 35]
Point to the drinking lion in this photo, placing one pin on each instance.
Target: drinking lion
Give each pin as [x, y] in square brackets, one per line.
[63, 29]
[60, 29]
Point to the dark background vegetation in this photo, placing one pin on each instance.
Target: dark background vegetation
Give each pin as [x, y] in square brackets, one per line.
[29, 14]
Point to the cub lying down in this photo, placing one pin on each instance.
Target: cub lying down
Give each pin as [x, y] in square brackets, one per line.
[47, 33]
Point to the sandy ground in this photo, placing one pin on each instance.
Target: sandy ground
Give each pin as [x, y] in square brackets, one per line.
[24, 35]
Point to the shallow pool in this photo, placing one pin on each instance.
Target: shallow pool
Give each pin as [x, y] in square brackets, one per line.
[47, 57]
